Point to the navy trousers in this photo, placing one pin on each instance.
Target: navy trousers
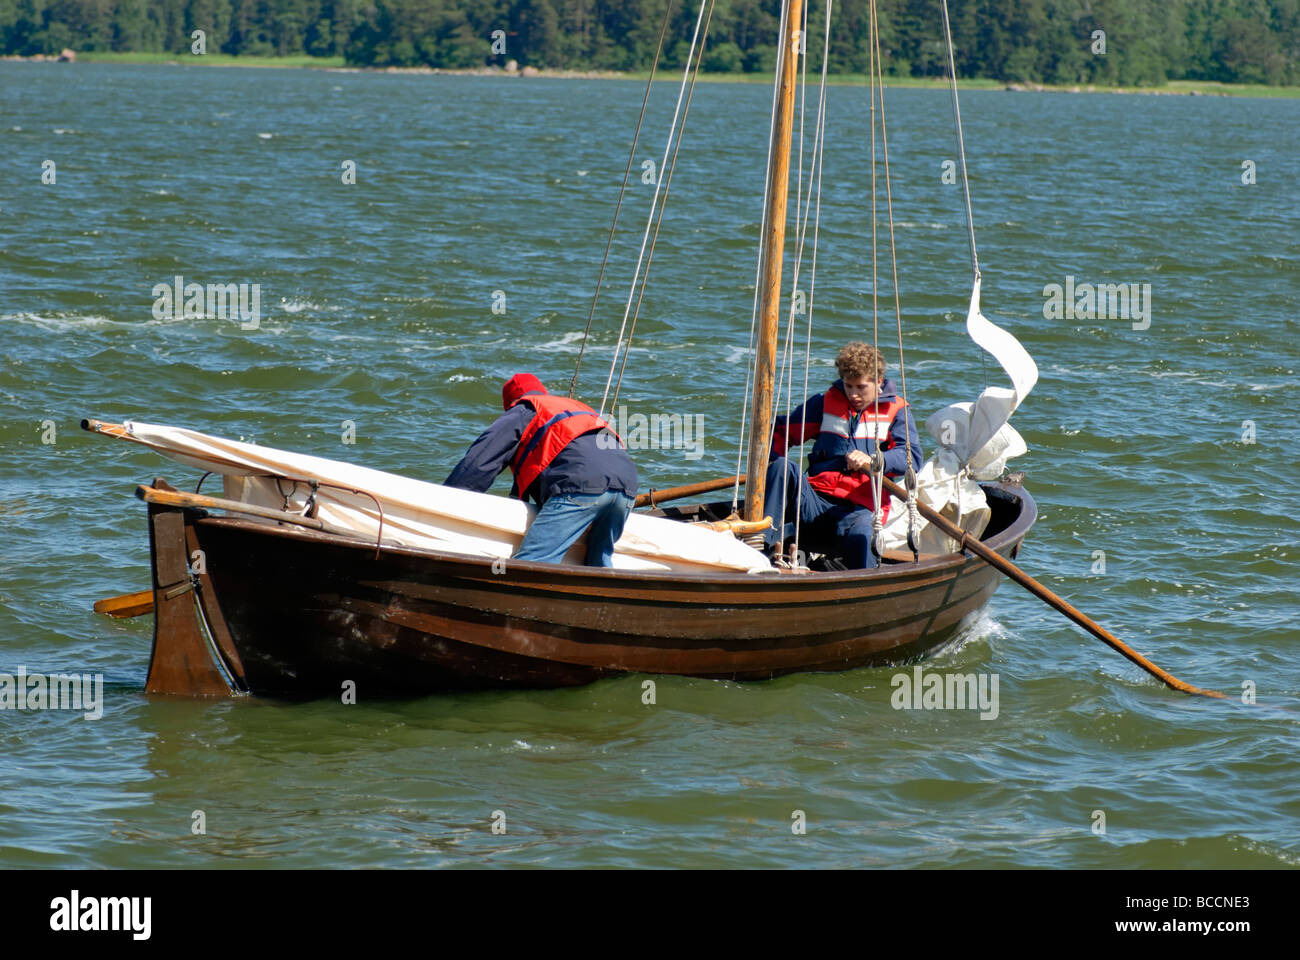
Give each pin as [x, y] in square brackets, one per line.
[566, 517]
[826, 524]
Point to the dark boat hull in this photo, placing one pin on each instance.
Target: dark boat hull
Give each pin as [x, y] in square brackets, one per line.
[291, 611]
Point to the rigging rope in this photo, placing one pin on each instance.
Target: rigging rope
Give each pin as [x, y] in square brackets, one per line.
[672, 131]
[877, 462]
[784, 377]
[668, 184]
[631, 156]
[913, 513]
[819, 145]
[961, 144]
[965, 180]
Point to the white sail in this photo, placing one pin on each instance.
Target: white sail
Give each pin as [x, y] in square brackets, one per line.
[996, 404]
[427, 515]
[975, 441]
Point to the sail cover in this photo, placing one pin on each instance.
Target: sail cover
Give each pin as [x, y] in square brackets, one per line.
[975, 441]
[427, 515]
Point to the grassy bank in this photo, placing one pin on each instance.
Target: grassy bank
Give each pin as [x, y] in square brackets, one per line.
[210, 59]
[1229, 89]
[1186, 87]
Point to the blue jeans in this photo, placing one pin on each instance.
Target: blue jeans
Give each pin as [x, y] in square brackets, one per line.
[565, 517]
[826, 524]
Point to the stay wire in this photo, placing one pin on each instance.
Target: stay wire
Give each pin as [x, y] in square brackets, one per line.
[898, 310]
[631, 157]
[961, 143]
[819, 146]
[965, 180]
[877, 477]
[668, 183]
[645, 237]
[785, 381]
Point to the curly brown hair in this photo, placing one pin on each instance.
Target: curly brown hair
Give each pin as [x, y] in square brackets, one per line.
[857, 359]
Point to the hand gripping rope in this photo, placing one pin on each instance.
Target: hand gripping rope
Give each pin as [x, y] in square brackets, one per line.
[877, 491]
[913, 514]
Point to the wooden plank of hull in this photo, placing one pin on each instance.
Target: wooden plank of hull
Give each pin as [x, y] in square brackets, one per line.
[307, 611]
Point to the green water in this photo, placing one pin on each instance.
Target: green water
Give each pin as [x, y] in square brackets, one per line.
[377, 307]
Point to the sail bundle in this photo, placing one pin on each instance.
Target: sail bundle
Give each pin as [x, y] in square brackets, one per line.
[348, 500]
[975, 441]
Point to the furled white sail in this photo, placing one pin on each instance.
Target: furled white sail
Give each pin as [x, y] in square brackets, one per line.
[975, 441]
[427, 515]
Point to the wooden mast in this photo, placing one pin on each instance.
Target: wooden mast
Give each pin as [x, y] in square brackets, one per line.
[778, 185]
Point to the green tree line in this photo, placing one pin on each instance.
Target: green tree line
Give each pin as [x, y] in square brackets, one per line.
[1054, 41]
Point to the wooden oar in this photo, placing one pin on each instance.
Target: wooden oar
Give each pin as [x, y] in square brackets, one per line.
[127, 605]
[966, 542]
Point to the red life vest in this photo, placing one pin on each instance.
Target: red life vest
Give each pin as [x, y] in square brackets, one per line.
[873, 424]
[557, 422]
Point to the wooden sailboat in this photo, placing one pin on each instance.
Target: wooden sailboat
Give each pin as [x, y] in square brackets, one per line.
[289, 608]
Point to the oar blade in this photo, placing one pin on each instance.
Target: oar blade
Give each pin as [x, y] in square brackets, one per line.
[127, 605]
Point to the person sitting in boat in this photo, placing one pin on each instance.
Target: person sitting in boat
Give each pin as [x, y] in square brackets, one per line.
[583, 482]
[834, 499]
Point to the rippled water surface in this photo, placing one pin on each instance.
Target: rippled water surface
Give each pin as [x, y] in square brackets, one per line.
[376, 307]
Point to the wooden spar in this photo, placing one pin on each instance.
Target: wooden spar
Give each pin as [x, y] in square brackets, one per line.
[966, 542]
[740, 528]
[108, 429]
[778, 186]
[656, 497]
[173, 498]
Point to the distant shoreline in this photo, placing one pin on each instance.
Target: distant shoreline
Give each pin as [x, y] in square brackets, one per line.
[337, 64]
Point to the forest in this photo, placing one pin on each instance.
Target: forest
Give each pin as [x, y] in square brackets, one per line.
[1107, 42]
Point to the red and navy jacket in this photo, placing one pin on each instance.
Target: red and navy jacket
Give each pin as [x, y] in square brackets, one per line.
[838, 429]
[553, 445]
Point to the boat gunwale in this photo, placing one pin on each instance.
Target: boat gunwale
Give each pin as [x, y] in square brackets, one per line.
[1016, 530]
